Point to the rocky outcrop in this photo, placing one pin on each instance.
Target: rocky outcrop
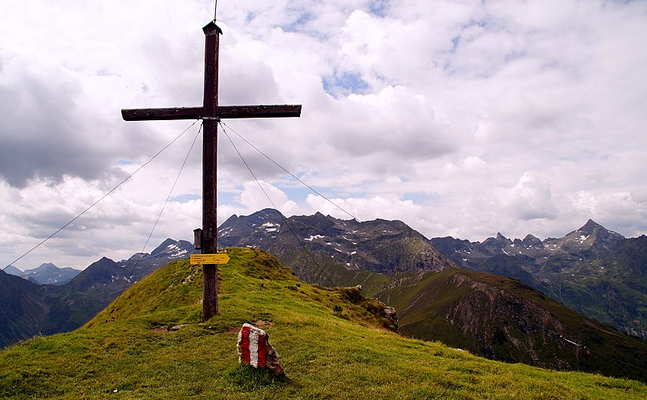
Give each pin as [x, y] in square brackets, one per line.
[386, 315]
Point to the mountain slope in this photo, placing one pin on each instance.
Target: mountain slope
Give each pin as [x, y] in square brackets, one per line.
[22, 309]
[597, 272]
[129, 351]
[503, 319]
[32, 309]
[379, 255]
[11, 270]
[47, 274]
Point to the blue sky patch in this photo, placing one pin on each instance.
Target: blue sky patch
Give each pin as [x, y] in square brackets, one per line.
[379, 8]
[298, 24]
[345, 83]
[185, 198]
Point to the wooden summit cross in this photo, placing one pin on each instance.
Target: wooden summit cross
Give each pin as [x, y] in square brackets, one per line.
[210, 113]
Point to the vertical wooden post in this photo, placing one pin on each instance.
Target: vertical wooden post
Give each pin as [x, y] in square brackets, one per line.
[209, 172]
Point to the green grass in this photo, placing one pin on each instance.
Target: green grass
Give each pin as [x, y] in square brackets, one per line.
[128, 351]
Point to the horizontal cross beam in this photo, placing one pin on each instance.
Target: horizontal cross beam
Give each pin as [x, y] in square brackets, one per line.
[224, 112]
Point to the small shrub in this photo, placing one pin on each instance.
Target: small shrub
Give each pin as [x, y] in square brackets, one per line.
[337, 309]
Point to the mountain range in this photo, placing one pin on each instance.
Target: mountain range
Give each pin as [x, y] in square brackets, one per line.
[333, 252]
[592, 270]
[443, 289]
[45, 274]
[595, 271]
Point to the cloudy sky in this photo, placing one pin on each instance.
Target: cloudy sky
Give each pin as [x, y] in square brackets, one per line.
[458, 117]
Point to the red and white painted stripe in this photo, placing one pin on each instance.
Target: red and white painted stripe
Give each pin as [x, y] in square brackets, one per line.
[253, 346]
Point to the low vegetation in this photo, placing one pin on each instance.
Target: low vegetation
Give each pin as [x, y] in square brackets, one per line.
[150, 343]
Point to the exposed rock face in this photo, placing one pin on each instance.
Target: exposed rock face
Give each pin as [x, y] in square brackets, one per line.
[506, 320]
[495, 319]
[254, 349]
[390, 314]
[352, 294]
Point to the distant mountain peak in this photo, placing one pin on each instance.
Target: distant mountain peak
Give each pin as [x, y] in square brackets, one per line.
[499, 242]
[531, 240]
[270, 212]
[43, 268]
[590, 227]
[594, 233]
[378, 246]
[11, 270]
[163, 246]
[45, 274]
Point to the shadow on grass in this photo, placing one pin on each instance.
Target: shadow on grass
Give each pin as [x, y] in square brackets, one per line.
[250, 378]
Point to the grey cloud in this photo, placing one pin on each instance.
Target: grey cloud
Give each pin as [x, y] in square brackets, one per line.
[41, 132]
[399, 128]
[49, 130]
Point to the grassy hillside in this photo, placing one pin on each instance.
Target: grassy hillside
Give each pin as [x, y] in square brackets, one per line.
[505, 320]
[149, 344]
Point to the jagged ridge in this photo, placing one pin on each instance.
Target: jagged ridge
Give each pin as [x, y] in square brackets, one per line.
[595, 271]
[345, 252]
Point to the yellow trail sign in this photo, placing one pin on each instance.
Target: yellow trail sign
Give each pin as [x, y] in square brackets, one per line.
[200, 259]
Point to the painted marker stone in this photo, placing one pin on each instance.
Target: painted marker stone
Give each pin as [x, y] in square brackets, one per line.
[254, 349]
